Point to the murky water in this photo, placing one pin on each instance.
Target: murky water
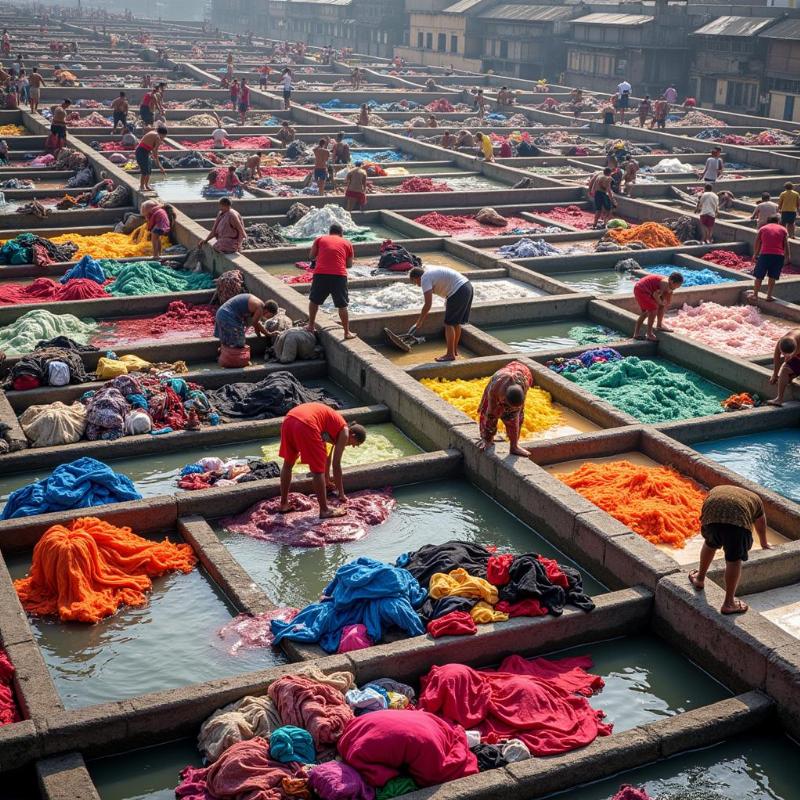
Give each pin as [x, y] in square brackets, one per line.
[599, 281]
[753, 767]
[472, 183]
[426, 514]
[770, 459]
[181, 187]
[141, 650]
[545, 335]
[645, 682]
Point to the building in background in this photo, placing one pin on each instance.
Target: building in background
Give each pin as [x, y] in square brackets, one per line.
[782, 71]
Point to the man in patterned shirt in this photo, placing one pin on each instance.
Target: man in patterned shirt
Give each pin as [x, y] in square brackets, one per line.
[504, 399]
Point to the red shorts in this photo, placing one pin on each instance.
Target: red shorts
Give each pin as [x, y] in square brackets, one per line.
[359, 197]
[645, 300]
[297, 439]
[707, 220]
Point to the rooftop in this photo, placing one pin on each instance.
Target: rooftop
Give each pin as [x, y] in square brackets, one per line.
[614, 19]
[734, 26]
[526, 13]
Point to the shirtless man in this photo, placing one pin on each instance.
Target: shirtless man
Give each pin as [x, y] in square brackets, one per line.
[363, 114]
[120, 107]
[36, 83]
[355, 188]
[785, 364]
[321, 157]
[465, 140]
[600, 191]
[448, 141]
[286, 134]
[340, 150]
[253, 166]
[58, 125]
[630, 168]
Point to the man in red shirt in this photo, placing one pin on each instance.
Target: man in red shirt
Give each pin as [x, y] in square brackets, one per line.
[334, 256]
[305, 432]
[771, 251]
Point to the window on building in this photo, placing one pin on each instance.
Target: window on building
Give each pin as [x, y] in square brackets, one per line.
[420, 39]
[788, 108]
[454, 44]
[573, 60]
[429, 41]
[441, 42]
[504, 48]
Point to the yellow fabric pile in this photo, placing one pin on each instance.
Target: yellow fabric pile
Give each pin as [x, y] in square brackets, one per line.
[12, 130]
[111, 245]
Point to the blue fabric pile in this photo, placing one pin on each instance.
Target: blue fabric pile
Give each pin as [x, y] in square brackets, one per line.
[596, 355]
[378, 156]
[82, 483]
[87, 267]
[363, 591]
[691, 277]
[527, 248]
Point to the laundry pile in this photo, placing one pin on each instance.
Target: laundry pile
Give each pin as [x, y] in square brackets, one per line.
[418, 184]
[691, 277]
[378, 156]
[82, 483]
[648, 390]
[9, 709]
[246, 632]
[242, 143]
[729, 259]
[323, 736]
[656, 502]
[465, 395]
[212, 471]
[570, 215]
[12, 130]
[593, 334]
[261, 235]
[86, 570]
[740, 330]
[648, 234]
[135, 404]
[178, 321]
[318, 222]
[273, 396]
[528, 248]
[46, 290]
[303, 526]
[21, 336]
[669, 166]
[137, 278]
[694, 119]
[461, 225]
[27, 248]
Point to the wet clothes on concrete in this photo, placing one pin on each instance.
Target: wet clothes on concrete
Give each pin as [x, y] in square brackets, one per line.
[9, 710]
[274, 396]
[35, 366]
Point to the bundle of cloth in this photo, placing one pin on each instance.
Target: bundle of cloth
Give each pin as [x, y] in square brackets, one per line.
[260, 235]
[83, 483]
[28, 248]
[320, 735]
[212, 471]
[447, 589]
[9, 709]
[273, 396]
[40, 328]
[137, 404]
[47, 366]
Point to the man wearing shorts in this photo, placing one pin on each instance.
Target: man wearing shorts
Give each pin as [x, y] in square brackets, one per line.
[36, 82]
[771, 252]
[457, 293]
[333, 256]
[600, 191]
[787, 205]
[321, 157]
[714, 166]
[305, 433]
[727, 520]
[785, 364]
[355, 188]
[623, 99]
[58, 127]
[244, 100]
[146, 110]
[708, 208]
[120, 110]
[653, 293]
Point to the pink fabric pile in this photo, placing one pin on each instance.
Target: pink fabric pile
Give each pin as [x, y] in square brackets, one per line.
[243, 143]
[304, 528]
[631, 793]
[251, 632]
[45, 290]
[740, 330]
[9, 710]
[180, 321]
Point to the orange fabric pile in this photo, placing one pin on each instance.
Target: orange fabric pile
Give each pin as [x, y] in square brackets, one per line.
[651, 234]
[655, 502]
[85, 571]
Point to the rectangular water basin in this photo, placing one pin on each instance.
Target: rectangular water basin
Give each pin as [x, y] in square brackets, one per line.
[690, 553]
[780, 606]
[183, 187]
[146, 649]
[430, 513]
[757, 766]
[555, 334]
[597, 281]
[771, 458]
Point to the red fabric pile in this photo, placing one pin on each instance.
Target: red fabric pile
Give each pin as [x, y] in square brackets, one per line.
[440, 106]
[45, 290]
[725, 258]
[287, 173]
[246, 632]
[180, 321]
[114, 147]
[304, 528]
[459, 225]
[244, 143]
[535, 701]
[456, 623]
[569, 215]
[9, 710]
[627, 792]
[422, 185]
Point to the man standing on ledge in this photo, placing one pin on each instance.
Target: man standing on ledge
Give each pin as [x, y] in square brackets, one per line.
[727, 519]
[504, 399]
[305, 431]
[457, 293]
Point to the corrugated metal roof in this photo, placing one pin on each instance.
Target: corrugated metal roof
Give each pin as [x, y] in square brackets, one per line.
[325, 2]
[461, 6]
[734, 26]
[511, 11]
[788, 29]
[614, 19]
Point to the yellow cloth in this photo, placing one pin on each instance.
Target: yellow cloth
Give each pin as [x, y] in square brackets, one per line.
[397, 700]
[459, 583]
[482, 613]
[108, 368]
[487, 147]
[112, 245]
[11, 130]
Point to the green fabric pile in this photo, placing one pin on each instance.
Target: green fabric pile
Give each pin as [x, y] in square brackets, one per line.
[136, 278]
[22, 335]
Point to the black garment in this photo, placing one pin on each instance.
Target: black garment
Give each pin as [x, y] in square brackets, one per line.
[334, 285]
[528, 578]
[433, 609]
[274, 396]
[65, 343]
[36, 365]
[458, 306]
[432, 558]
[489, 757]
[735, 542]
[261, 470]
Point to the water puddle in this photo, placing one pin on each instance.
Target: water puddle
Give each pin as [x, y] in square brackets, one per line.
[552, 335]
[177, 187]
[146, 649]
[597, 281]
[429, 513]
[770, 459]
[422, 353]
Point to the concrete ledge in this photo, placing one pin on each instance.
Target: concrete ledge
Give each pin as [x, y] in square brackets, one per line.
[783, 684]
[65, 778]
[36, 692]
